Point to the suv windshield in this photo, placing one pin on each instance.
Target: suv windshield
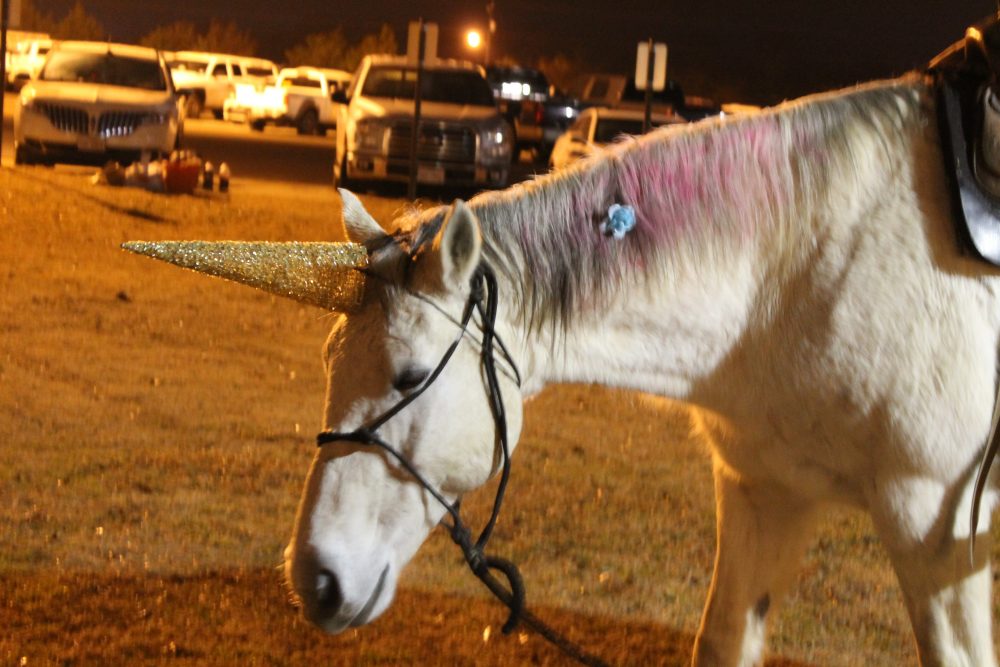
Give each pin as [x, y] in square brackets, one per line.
[104, 68]
[451, 86]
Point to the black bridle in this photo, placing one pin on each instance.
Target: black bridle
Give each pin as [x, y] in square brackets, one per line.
[483, 298]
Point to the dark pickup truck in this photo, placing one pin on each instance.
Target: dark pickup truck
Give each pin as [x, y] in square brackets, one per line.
[527, 101]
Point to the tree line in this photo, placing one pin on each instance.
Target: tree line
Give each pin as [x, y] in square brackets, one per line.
[330, 48]
[322, 49]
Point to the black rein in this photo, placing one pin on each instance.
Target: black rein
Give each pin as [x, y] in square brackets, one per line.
[483, 298]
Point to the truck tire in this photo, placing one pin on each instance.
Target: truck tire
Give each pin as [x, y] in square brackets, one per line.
[308, 122]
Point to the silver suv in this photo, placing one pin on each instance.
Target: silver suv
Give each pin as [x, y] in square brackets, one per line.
[462, 141]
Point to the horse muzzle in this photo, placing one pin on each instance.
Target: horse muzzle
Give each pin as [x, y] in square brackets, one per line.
[335, 601]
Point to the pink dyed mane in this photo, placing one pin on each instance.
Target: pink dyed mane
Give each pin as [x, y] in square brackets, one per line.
[696, 190]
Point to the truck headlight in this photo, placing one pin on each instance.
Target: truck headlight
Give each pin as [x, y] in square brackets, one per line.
[496, 141]
[370, 135]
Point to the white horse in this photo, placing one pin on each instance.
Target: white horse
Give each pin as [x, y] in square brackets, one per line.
[794, 273]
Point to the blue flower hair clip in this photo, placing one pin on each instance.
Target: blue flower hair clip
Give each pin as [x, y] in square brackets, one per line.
[621, 220]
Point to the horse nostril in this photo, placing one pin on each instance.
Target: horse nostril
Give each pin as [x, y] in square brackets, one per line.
[328, 595]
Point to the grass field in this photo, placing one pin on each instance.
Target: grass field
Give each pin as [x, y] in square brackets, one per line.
[156, 428]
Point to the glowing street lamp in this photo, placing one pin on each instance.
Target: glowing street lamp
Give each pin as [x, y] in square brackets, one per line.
[473, 39]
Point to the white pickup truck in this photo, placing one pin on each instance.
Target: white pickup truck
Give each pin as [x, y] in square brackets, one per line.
[302, 97]
[207, 80]
[462, 139]
[25, 60]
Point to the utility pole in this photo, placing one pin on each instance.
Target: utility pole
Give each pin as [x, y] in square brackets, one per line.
[491, 27]
[647, 119]
[4, 20]
[411, 190]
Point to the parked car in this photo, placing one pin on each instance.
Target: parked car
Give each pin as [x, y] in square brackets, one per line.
[206, 80]
[462, 139]
[25, 60]
[301, 97]
[598, 126]
[95, 101]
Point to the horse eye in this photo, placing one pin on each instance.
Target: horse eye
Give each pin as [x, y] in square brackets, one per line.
[410, 379]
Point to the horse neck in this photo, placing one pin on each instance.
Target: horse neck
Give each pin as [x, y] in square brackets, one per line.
[727, 216]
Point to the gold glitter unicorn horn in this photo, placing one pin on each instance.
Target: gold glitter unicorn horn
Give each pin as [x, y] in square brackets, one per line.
[320, 274]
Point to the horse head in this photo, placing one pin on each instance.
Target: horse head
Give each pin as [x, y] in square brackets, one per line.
[363, 515]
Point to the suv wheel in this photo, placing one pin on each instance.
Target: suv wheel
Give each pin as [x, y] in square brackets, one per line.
[308, 122]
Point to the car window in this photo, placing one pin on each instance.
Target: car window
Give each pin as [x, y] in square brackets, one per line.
[581, 125]
[237, 69]
[104, 68]
[453, 86]
[302, 82]
[219, 70]
[259, 71]
[600, 89]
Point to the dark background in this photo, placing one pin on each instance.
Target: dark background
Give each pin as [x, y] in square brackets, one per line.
[760, 52]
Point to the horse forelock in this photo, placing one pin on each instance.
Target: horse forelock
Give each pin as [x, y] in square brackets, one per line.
[699, 192]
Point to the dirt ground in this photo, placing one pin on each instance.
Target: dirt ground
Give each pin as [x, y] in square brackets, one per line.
[156, 427]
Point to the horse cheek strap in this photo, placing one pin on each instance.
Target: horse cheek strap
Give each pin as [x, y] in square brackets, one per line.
[483, 287]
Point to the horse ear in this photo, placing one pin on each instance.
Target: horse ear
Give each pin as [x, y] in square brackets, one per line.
[458, 245]
[359, 225]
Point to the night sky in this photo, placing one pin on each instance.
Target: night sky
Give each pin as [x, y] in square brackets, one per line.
[760, 52]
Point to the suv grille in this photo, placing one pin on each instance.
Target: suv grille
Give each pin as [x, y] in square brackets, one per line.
[66, 119]
[78, 121]
[119, 123]
[438, 142]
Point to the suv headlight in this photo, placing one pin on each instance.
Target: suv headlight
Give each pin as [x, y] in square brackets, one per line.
[27, 98]
[496, 141]
[159, 117]
[370, 134]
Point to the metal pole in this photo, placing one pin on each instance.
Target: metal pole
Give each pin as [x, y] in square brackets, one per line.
[491, 27]
[411, 191]
[647, 119]
[4, 19]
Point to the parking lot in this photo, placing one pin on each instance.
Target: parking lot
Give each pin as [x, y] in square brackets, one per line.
[277, 154]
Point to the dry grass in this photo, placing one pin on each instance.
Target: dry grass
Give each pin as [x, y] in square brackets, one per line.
[156, 427]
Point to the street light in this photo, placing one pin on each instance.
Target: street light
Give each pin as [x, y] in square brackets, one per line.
[473, 39]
